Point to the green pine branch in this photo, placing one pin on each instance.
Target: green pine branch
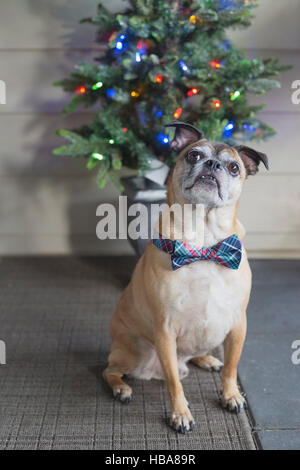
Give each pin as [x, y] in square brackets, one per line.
[140, 83]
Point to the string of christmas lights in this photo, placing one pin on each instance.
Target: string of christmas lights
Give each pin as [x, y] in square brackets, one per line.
[154, 71]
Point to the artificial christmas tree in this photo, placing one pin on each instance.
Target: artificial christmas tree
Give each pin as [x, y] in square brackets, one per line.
[165, 60]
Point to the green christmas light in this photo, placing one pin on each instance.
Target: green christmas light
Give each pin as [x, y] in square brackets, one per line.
[111, 141]
[98, 156]
[97, 85]
[234, 96]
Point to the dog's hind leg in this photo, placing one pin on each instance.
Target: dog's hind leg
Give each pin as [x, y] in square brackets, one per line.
[207, 362]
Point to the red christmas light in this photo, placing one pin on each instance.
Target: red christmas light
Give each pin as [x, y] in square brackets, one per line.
[111, 36]
[159, 78]
[177, 113]
[175, 7]
[217, 104]
[215, 64]
[124, 129]
[143, 44]
[192, 92]
[81, 90]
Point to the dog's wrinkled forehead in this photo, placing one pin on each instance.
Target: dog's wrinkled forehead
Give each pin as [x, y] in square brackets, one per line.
[211, 150]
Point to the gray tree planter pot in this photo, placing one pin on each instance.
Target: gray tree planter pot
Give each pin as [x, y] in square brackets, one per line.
[147, 192]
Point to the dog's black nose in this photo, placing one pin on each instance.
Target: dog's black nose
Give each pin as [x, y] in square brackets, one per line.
[213, 165]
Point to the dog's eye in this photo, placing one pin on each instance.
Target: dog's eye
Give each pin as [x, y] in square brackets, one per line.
[233, 168]
[193, 157]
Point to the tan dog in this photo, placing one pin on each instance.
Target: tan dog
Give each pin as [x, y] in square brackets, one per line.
[165, 318]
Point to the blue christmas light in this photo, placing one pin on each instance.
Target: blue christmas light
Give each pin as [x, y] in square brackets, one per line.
[227, 5]
[157, 111]
[110, 92]
[163, 139]
[248, 127]
[226, 45]
[249, 130]
[183, 66]
[138, 57]
[120, 45]
[228, 129]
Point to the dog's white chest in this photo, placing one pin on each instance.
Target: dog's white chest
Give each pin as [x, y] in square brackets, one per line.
[206, 306]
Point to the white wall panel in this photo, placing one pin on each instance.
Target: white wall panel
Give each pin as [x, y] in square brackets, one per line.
[28, 140]
[51, 207]
[48, 24]
[48, 202]
[276, 26]
[44, 24]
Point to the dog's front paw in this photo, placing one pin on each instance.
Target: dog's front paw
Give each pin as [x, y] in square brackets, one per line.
[182, 421]
[233, 401]
[123, 393]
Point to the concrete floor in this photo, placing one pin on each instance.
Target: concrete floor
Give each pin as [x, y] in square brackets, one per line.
[54, 316]
[267, 373]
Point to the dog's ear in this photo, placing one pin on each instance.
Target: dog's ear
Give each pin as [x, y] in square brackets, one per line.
[185, 134]
[251, 159]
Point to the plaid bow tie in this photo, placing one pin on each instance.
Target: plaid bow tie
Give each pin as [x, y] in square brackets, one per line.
[227, 252]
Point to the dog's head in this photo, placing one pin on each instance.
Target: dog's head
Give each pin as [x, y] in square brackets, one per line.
[210, 173]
